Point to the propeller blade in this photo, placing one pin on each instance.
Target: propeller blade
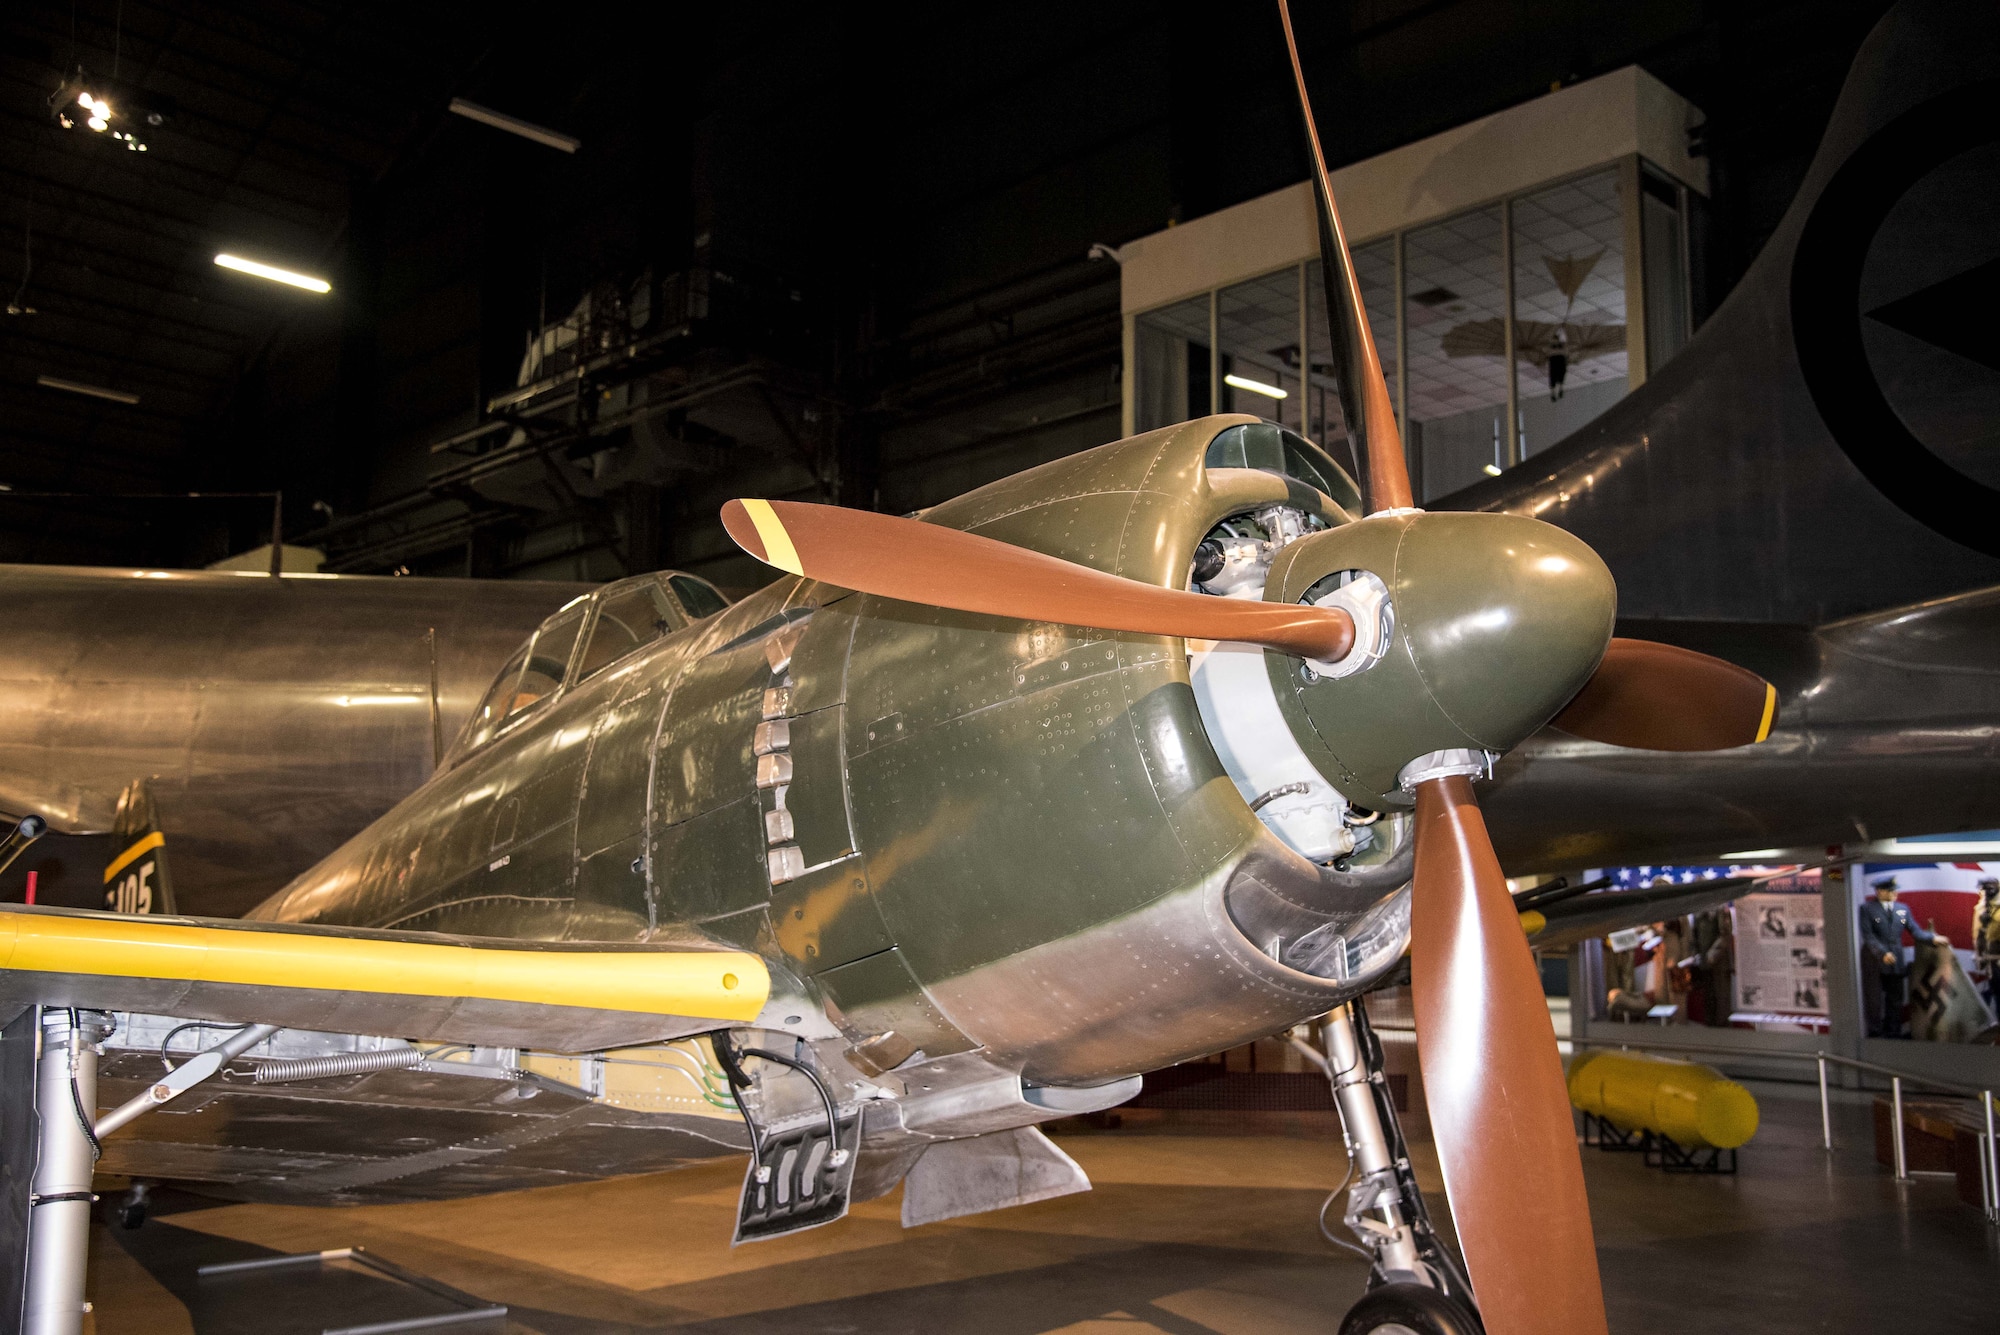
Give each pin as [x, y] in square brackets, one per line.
[1364, 392]
[1499, 1109]
[1656, 697]
[915, 562]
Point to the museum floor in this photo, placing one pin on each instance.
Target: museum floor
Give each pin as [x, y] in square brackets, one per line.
[1184, 1234]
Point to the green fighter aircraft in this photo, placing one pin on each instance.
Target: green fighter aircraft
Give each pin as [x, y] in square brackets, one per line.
[957, 829]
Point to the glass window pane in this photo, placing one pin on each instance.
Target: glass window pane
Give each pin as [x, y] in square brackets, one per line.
[1171, 364]
[1663, 244]
[1375, 267]
[1258, 329]
[698, 596]
[1569, 306]
[1276, 450]
[548, 659]
[1454, 300]
[627, 619]
[492, 708]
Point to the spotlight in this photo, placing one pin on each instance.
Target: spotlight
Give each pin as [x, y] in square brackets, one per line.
[85, 102]
[1491, 470]
[275, 274]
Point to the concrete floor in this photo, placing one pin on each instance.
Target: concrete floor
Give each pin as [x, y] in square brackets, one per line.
[1187, 1234]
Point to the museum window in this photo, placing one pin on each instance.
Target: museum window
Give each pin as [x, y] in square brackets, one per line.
[1172, 350]
[1455, 298]
[1502, 329]
[1261, 345]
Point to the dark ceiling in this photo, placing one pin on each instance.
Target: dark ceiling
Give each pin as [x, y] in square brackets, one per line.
[852, 242]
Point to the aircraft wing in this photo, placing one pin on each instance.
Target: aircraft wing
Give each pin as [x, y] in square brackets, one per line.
[558, 996]
[1561, 925]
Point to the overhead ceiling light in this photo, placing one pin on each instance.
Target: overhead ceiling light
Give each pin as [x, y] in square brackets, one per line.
[499, 120]
[88, 391]
[1492, 470]
[276, 275]
[82, 103]
[1255, 386]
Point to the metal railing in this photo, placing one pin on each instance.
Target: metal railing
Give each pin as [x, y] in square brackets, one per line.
[1989, 1146]
[1989, 1143]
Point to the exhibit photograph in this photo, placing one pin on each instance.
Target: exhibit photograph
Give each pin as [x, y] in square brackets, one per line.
[1271, 667]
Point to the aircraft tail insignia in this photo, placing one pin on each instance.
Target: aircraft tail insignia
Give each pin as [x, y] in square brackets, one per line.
[136, 880]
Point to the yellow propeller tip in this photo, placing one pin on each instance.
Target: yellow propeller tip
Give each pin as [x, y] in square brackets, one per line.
[1770, 711]
[778, 548]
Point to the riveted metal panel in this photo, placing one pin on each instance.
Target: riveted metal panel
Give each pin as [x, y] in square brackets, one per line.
[827, 917]
[712, 864]
[1038, 814]
[819, 660]
[612, 803]
[816, 797]
[612, 888]
[704, 757]
[748, 928]
[1167, 461]
[879, 995]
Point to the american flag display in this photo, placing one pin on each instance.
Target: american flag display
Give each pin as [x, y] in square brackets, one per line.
[1634, 878]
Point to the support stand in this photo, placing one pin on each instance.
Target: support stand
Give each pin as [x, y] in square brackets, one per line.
[59, 1222]
[473, 1309]
[1661, 1152]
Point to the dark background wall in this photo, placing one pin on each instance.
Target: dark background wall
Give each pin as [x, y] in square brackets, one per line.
[899, 198]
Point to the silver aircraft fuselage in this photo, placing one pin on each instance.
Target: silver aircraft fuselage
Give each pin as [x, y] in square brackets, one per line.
[271, 717]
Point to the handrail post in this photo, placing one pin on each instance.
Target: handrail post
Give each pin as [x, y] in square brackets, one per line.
[1825, 1115]
[1902, 1163]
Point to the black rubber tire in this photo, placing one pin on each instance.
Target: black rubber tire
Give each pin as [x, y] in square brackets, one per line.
[132, 1215]
[1397, 1308]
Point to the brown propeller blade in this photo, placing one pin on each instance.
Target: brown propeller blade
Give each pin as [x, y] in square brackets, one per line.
[1656, 697]
[916, 562]
[1364, 392]
[1499, 1109]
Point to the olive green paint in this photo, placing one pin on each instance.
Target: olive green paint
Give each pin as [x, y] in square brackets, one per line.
[1499, 621]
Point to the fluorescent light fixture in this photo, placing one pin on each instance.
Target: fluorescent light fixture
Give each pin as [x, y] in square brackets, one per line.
[1492, 470]
[1255, 387]
[276, 275]
[541, 134]
[88, 391]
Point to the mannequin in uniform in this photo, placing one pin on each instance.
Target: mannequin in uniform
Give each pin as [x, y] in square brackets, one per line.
[1986, 938]
[1884, 971]
[1713, 961]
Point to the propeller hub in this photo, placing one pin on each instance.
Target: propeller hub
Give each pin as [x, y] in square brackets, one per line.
[1492, 623]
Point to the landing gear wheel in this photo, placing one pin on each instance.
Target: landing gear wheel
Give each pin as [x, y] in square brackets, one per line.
[134, 1206]
[1408, 1309]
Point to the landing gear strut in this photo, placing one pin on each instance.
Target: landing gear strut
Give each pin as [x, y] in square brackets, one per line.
[59, 1214]
[1414, 1284]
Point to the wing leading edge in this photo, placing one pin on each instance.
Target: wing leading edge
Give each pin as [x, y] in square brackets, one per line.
[417, 985]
